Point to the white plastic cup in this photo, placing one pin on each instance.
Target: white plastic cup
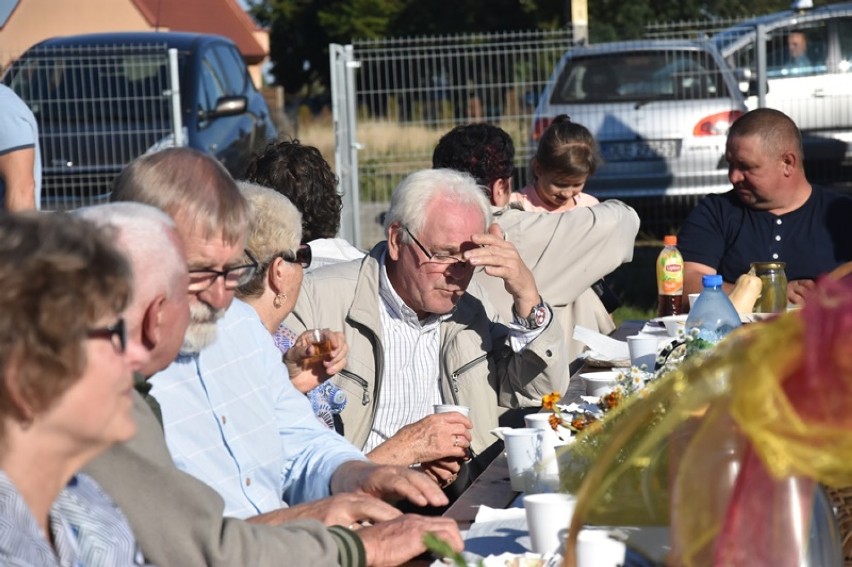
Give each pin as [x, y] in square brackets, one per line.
[595, 548]
[548, 467]
[523, 451]
[643, 351]
[548, 518]
[692, 298]
[446, 408]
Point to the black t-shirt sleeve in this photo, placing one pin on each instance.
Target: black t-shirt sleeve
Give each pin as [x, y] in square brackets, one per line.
[701, 239]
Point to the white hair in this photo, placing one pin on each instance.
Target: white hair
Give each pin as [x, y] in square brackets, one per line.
[409, 199]
[149, 238]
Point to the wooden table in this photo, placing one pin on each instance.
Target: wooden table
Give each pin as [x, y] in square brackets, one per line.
[492, 488]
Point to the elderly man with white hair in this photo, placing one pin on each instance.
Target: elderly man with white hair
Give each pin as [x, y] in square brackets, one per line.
[420, 333]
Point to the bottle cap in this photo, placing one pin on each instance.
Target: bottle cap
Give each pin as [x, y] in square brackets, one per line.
[670, 240]
[713, 280]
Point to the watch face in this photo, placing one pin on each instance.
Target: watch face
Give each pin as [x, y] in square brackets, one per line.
[540, 315]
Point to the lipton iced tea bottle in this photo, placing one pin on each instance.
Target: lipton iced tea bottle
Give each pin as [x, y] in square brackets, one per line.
[669, 278]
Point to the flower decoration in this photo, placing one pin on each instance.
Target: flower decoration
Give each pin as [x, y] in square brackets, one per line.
[548, 401]
[629, 382]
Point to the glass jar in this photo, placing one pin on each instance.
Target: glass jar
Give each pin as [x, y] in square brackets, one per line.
[773, 297]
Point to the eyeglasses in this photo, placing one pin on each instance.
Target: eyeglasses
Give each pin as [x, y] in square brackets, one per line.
[443, 259]
[303, 255]
[234, 277]
[116, 333]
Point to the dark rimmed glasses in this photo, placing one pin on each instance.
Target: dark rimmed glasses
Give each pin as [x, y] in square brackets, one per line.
[117, 334]
[447, 260]
[302, 255]
[234, 277]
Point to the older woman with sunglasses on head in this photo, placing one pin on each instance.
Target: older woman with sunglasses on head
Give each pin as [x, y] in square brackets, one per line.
[274, 235]
[65, 393]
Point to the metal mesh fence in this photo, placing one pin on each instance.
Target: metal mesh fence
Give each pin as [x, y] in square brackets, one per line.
[97, 108]
[688, 29]
[411, 91]
[408, 92]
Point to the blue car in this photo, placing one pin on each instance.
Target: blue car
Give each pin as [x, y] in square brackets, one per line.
[103, 99]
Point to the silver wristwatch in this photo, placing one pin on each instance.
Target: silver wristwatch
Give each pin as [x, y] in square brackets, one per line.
[536, 318]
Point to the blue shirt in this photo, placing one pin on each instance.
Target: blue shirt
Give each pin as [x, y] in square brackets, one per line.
[86, 527]
[726, 235]
[18, 131]
[233, 420]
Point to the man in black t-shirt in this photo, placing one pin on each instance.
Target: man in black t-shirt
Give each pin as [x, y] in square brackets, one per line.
[772, 213]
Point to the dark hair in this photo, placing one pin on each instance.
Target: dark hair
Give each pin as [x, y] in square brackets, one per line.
[567, 149]
[777, 131]
[59, 275]
[302, 175]
[484, 151]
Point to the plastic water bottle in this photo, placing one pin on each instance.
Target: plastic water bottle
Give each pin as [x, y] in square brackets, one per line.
[669, 278]
[713, 315]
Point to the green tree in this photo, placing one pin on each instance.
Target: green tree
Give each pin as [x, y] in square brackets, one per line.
[301, 30]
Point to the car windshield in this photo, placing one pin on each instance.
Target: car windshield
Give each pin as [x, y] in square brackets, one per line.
[724, 39]
[639, 76]
[94, 85]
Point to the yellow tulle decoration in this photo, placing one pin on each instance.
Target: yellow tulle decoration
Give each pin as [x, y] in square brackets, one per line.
[733, 438]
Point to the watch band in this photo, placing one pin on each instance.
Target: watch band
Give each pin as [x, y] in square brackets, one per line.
[536, 317]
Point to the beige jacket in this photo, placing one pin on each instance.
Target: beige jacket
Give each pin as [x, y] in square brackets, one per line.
[478, 367]
[567, 253]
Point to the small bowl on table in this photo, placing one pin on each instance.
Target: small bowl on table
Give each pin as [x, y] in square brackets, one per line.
[675, 324]
[599, 383]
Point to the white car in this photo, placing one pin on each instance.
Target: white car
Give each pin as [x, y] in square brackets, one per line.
[659, 109]
[815, 88]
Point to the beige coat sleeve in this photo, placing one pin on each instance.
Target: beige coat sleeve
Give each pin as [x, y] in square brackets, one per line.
[568, 252]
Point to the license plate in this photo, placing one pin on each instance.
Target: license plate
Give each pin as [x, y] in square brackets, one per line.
[640, 150]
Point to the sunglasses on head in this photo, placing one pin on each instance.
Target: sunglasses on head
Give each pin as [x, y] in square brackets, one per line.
[302, 255]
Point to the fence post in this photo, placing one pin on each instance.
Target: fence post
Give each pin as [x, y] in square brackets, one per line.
[174, 93]
[579, 12]
[343, 65]
[762, 82]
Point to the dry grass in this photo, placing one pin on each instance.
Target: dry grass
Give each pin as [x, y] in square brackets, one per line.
[382, 138]
[318, 132]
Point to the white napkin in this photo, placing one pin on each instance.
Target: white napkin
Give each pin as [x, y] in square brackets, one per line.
[606, 348]
[588, 405]
[497, 531]
[488, 514]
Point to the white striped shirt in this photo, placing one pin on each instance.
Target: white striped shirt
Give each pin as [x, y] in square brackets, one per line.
[410, 373]
[410, 381]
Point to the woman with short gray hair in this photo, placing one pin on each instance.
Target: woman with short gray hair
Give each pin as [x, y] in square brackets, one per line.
[275, 231]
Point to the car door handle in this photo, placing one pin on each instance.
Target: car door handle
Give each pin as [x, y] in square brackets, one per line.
[819, 93]
[213, 147]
